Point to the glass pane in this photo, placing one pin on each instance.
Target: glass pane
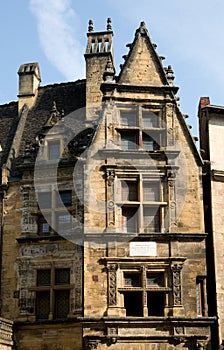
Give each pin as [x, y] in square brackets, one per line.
[128, 119]
[133, 304]
[45, 200]
[43, 226]
[130, 219]
[65, 198]
[150, 119]
[129, 191]
[155, 303]
[151, 219]
[64, 221]
[149, 143]
[54, 149]
[132, 279]
[43, 277]
[62, 276]
[151, 192]
[42, 305]
[155, 280]
[61, 303]
[128, 141]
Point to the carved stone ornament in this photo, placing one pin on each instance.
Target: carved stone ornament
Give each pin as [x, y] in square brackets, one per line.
[177, 292]
[110, 177]
[112, 283]
[91, 344]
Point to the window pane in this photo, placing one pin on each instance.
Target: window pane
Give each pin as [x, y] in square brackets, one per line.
[149, 143]
[151, 191]
[54, 149]
[45, 200]
[132, 279]
[62, 276]
[155, 303]
[128, 141]
[130, 219]
[64, 221]
[155, 280]
[43, 277]
[42, 305]
[128, 119]
[43, 227]
[133, 303]
[61, 303]
[129, 190]
[150, 120]
[151, 219]
[65, 198]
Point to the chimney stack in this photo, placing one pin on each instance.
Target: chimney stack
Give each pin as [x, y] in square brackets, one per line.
[29, 81]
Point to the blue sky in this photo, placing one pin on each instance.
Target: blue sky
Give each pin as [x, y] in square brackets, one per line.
[53, 32]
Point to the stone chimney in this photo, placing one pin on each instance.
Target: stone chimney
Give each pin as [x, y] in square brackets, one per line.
[203, 125]
[29, 81]
[99, 51]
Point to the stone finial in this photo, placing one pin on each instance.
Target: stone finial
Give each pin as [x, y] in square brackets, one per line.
[169, 75]
[109, 24]
[55, 115]
[142, 30]
[90, 27]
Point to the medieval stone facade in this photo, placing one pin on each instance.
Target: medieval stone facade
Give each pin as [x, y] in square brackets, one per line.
[102, 222]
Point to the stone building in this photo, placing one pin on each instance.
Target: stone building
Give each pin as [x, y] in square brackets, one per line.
[102, 230]
[211, 121]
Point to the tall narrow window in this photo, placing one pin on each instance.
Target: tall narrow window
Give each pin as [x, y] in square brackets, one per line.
[200, 295]
[129, 141]
[129, 190]
[52, 294]
[130, 219]
[54, 150]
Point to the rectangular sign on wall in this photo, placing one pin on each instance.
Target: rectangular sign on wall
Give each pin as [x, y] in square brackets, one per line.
[143, 249]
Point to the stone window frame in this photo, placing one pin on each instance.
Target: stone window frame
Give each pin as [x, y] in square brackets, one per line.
[52, 266]
[58, 207]
[139, 130]
[171, 268]
[115, 202]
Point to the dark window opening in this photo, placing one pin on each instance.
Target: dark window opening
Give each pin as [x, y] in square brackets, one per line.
[62, 276]
[149, 144]
[43, 277]
[43, 227]
[155, 279]
[151, 218]
[130, 219]
[132, 279]
[42, 305]
[133, 304]
[65, 198]
[150, 119]
[61, 304]
[128, 119]
[129, 191]
[45, 200]
[129, 141]
[155, 303]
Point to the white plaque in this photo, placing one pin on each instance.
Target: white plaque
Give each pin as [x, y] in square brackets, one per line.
[142, 248]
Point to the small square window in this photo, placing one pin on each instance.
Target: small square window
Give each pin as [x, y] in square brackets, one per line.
[155, 280]
[45, 200]
[43, 277]
[151, 191]
[129, 190]
[132, 279]
[43, 226]
[62, 276]
[128, 118]
[149, 144]
[129, 141]
[150, 119]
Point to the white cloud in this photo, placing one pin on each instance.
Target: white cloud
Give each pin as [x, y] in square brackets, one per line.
[58, 28]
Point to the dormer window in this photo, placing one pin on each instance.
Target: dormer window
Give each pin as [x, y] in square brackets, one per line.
[140, 129]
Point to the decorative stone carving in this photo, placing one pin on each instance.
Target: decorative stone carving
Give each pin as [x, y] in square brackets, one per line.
[110, 177]
[28, 223]
[91, 344]
[112, 283]
[201, 345]
[177, 290]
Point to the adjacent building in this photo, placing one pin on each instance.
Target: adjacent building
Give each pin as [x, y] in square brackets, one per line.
[102, 221]
[211, 121]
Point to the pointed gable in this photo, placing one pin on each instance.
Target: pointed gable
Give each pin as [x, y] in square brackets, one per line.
[142, 65]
